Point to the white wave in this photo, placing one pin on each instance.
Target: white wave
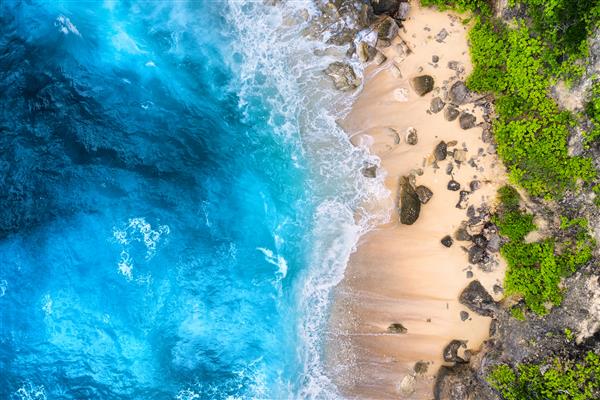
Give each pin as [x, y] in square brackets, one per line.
[277, 260]
[3, 287]
[280, 61]
[47, 304]
[30, 391]
[65, 26]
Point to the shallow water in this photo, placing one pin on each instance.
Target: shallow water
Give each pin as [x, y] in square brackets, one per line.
[177, 202]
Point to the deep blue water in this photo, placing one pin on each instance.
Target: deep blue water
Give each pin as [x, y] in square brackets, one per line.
[172, 218]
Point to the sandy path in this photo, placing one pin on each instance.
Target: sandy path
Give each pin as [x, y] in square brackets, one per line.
[402, 273]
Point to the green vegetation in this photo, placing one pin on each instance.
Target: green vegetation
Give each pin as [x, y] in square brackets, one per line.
[481, 6]
[517, 313]
[536, 269]
[592, 111]
[569, 334]
[557, 380]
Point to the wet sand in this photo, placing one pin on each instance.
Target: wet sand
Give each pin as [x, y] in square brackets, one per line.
[402, 273]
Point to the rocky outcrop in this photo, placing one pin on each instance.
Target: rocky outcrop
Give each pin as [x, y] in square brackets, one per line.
[343, 76]
[409, 206]
[478, 300]
[451, 351]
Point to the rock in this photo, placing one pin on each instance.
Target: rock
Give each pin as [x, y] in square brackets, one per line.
[449, 168]
[463, 199]
[453, 185]
[456, 66]
[441, 151]
[459, 94]
[388, 7]
[365, 52]
[447, 241]
[462, 235]
[474, 185]
[497, 289]
[410, 205]
[407, 386]
[379, 58]
[469, 274]
[480, 241]
[466, 120]
[478, 300]
[421, 367]
[369, 171]
[435, 59]
[464, 315]
[451, 351]
[425, 194]
[343, 76]
[437, 105]
[422, 84]
[452, 143]
[451, 113]
[387, 29]
[395, 71]
[397, 328]
[460, 155]
[441, 35]
[476, 254]
[411, 136]
[494, 243]
[403, 11]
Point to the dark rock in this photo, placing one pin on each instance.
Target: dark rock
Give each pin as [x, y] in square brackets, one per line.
[462, 235]
[494, 243]
[489, 228]
[403, 11]
[421, 367]
[369, 171]
[474, 185]
[387, 29]
[451, 351]
[456, 66]
[397, 328]
[389, 7]
[343, 76]
[410, 205]
[461, 382]
[480, 241]
[365, 52]
[478, 300]
[469, 274]
[463, 199]
[441, 151]
[459, 94]
[411, 137]
[447, 241]
[441, 35]
[435, 58]
[422, 84]
[497, 289]
[437, 105]
[425, 194]
[467, 120]
[464, 315]
[453, 185]
[476, 254]
[451, 113]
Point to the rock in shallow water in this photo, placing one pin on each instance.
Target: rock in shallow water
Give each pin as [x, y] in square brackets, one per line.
[343, 76]
[422, 84]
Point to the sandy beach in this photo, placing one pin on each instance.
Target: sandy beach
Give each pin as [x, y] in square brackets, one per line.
[402, 273]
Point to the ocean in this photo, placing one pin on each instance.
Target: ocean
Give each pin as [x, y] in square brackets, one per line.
[177, 200]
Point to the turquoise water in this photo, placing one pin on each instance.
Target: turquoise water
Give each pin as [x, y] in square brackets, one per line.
[175, 206]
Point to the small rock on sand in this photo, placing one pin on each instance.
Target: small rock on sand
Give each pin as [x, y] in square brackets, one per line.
[460, 155]
[447, 241]
[403, 10]
[422, 84]
[411, 136]
[451, 113]
[464, 315]
[459, 94]
[435, 59]
[441, 35]
[463, 199]
[397, 328]
[425, 194]
[441, 151]
[474, 185]
[407, 386]
[421, 367]
[369, 171]
[437, 105]
[453, 185]
[410, 205]
[467, 120]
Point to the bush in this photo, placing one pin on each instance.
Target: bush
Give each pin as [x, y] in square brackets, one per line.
[481, 6]
[560, 380]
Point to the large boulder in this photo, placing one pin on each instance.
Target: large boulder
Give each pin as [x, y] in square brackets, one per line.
[403, 10]
[389, 7]
[343, 76]
[409, 206]
[422, 84]
[451, 351]
[387, 29]
[478, 300]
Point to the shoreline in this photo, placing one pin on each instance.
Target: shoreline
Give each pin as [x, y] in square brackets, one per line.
[402, 274]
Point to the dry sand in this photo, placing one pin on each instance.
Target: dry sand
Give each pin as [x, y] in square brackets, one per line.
[401, 273]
